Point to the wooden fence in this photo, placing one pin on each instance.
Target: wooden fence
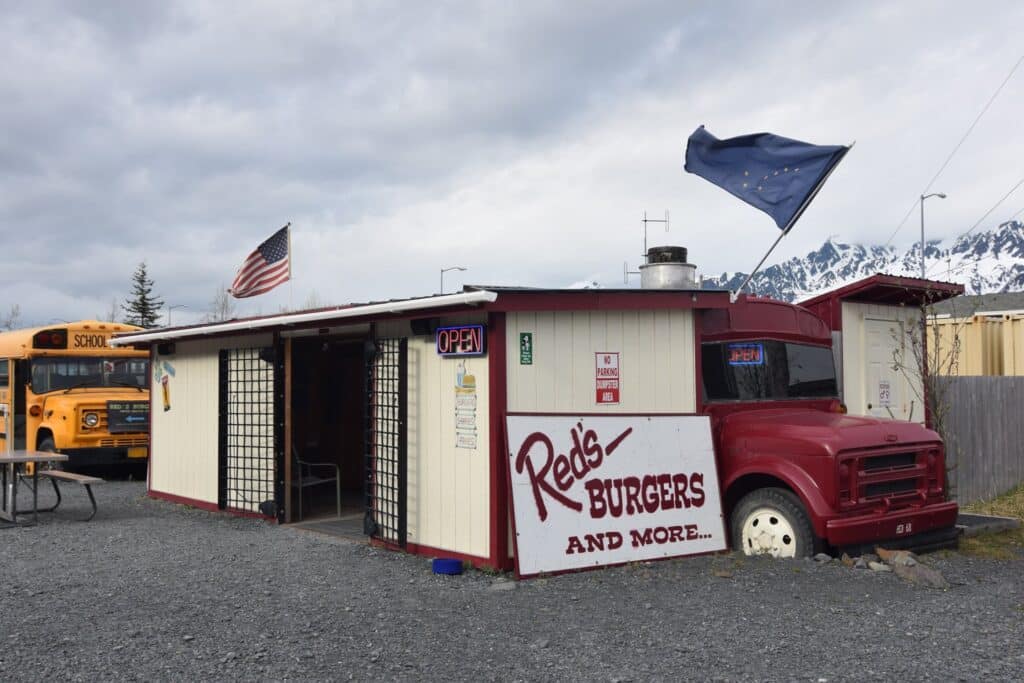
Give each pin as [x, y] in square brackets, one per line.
[984, 435]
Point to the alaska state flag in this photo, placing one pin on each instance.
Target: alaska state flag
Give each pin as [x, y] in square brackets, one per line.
[778, 175]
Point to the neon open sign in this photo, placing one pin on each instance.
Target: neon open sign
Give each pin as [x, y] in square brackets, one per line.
[462, 340]
[746, 354]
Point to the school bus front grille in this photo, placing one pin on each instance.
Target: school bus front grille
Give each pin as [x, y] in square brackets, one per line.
[136, 439]
[125, 441]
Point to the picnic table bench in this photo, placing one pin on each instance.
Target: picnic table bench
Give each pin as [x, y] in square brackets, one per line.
[9, 478]
[85, 480]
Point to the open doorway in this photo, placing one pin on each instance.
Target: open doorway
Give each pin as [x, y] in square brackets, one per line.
[327, 414]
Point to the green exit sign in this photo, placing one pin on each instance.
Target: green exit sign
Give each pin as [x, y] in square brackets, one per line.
[526, 348]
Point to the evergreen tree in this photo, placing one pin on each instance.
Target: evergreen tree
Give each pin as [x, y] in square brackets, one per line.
[142, 308]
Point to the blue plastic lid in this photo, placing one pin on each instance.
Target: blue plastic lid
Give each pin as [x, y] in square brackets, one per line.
[447, 565]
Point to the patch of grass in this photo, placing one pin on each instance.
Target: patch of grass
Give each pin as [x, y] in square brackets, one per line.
[1010, 504]
[489, 571]
[1002, 545]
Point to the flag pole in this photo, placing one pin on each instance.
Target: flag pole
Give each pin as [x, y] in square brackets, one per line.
[735, 295]
[789, 226]
[291, 255]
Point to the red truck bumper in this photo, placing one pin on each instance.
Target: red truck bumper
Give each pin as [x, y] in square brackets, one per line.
[897, 524]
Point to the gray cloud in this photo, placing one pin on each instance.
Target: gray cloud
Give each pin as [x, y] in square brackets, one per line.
[399, 136]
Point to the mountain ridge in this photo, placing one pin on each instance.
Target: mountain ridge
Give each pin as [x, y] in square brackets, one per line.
[984, 262]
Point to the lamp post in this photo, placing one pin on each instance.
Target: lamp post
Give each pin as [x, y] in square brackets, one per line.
[445, 270]
[171, 308]
[924, 197]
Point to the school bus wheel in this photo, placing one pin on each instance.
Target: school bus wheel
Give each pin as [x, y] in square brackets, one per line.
[48, 446]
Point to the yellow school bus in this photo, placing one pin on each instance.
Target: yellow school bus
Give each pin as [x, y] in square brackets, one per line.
[63, 388]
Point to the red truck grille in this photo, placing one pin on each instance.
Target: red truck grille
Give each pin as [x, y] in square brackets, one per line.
[879, 462]
[890, 479]
[887, 488]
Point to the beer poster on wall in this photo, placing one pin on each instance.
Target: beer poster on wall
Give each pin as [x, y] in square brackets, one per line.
[600, 490]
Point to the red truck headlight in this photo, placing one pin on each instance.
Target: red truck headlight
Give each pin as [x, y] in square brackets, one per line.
[935, 466]
[844, 481]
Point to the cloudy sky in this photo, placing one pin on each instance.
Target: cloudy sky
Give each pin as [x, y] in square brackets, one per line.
[521, 140]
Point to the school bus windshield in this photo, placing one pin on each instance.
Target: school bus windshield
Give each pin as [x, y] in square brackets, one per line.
[57, 374]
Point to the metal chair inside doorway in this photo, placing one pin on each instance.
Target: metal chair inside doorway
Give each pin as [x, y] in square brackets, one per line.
[309, 473]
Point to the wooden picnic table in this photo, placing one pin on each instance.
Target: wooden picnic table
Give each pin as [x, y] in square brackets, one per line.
[9, 462]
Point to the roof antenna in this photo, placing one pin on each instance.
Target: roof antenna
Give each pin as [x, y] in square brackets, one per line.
[626, 272]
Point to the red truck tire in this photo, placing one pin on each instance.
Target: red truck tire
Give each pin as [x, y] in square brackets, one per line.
[772, 521]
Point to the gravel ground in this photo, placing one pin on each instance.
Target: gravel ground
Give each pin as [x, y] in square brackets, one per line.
[156, 591]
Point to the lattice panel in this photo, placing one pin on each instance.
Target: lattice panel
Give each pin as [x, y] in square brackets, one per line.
[249, 443]
[385, 439]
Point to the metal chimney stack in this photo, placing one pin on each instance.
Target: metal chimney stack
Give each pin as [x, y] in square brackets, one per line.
[666, 268]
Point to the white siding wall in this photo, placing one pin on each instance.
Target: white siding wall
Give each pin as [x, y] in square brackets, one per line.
[656, 361]
[859, 384]
[448, 487]
[183, 459]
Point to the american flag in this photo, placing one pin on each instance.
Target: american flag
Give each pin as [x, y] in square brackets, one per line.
[265, 268]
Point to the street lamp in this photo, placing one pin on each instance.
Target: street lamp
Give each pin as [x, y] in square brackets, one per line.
[171, 308]
[445, 270]
[924, 197]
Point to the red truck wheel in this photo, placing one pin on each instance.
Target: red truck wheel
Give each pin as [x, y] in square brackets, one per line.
[772, 522]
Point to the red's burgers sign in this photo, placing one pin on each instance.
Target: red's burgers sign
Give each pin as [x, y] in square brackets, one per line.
[600, 490]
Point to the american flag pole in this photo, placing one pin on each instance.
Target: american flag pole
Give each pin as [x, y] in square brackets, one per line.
[291, 255]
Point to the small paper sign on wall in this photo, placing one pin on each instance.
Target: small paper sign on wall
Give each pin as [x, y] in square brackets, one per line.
[526, 348]
[591, 491]
[884, 393]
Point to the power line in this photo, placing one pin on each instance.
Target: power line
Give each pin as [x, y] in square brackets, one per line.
[980, 220]
[950, 157]
[994, 207]
[966, 264]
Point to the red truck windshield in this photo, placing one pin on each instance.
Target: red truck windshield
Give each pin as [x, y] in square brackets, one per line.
[759, 370]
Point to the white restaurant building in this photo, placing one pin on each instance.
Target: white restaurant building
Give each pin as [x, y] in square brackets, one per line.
[415, 427]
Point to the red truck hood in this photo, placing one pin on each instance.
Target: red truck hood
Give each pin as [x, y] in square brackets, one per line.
[816, 432]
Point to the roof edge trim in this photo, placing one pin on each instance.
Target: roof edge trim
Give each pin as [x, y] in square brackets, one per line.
[463, 298]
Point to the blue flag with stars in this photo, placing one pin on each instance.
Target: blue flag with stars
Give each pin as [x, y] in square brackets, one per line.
[778, 175]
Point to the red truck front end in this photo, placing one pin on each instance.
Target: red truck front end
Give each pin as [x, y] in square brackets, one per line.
[797, 473]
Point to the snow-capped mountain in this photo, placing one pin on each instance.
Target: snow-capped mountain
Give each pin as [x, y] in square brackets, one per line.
[983, 262]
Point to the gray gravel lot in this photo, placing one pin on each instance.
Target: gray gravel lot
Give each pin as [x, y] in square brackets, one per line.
[152, 590]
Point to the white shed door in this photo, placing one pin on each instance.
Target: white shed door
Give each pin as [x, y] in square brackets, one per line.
[884, 390]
